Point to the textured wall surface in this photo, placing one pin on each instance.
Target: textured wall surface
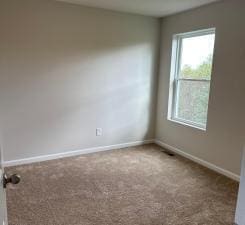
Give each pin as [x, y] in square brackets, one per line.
[223, 140]
[67, 69]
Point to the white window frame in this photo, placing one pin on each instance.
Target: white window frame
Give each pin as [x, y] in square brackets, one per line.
[174, 76]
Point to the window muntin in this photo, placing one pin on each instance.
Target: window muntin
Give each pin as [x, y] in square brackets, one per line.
[191, 75]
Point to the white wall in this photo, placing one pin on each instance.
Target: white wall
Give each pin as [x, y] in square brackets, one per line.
[222, 143]
[67, 69]
[240, 215]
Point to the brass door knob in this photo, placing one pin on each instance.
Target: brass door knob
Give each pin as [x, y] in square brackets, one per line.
[13, 179]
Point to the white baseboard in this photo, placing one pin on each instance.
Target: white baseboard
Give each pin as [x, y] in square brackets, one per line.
[73, 153]
[118, 146]
[199, 161]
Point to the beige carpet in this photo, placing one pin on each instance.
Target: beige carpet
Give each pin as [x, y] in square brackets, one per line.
[134, 186]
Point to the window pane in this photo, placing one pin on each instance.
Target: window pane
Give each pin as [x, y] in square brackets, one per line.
[197, 56]
[192, 101]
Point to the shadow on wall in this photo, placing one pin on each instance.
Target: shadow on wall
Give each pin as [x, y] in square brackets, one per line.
[66, 70]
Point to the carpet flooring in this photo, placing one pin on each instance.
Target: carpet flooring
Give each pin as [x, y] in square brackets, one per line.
[134, 186]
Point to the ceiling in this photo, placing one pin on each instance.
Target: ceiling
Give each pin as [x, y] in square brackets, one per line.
[156, 8]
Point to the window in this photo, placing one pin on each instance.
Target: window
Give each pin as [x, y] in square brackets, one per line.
[191, 68]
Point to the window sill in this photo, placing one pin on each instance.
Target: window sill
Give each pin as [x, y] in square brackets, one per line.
[187, 124]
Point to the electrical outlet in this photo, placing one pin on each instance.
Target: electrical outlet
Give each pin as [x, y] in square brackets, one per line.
[98, 131]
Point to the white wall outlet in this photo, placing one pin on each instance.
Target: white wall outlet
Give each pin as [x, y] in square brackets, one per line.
[98, 131]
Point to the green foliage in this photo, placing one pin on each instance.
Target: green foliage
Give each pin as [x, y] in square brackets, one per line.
[193, 101]
[203, 71]
[193, 96]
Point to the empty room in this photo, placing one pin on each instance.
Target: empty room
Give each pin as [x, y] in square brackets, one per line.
[122, 112]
